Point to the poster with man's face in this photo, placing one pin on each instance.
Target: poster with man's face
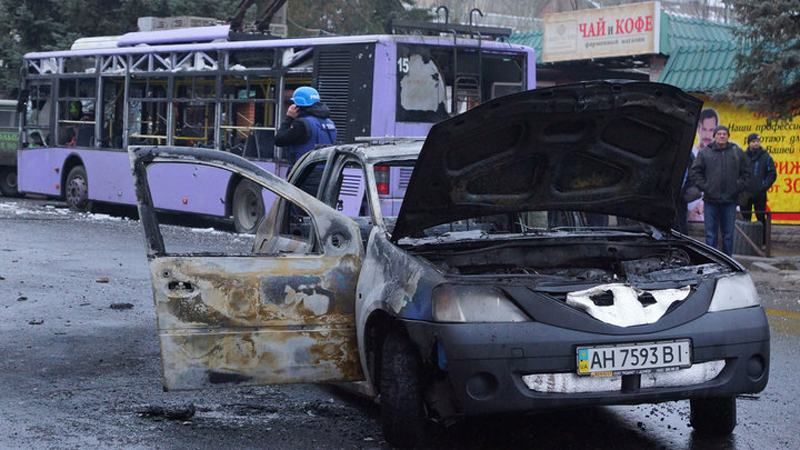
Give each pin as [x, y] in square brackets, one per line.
[709, 119]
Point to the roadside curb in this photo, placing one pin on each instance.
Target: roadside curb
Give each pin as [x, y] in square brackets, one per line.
[773, 264]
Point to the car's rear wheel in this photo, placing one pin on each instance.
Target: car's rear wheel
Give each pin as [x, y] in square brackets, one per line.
[76, 190]
[248, 207]
[713, 416]
[8, 182]
[402, 408]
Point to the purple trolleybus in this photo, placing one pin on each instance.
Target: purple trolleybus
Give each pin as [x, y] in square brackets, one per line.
[199, 87]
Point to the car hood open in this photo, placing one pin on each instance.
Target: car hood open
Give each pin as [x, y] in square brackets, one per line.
[608, 147]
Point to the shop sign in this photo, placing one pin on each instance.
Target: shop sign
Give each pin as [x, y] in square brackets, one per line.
[625, 30]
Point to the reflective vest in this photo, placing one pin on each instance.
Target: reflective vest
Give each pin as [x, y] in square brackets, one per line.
[323, 131]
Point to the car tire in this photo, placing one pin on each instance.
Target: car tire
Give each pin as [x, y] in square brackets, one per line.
[76, 190]
[248, 207]
[713, 416]
[402, 406]
[8, 182]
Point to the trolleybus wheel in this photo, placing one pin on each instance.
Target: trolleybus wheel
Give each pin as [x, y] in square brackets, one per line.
[76, 190]
[8, 182]
[248, 207]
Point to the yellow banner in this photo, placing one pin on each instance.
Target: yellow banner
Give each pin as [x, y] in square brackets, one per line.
[780, 139]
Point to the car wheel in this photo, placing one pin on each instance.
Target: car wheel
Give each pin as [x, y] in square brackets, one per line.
[76, 190]
[248, 207]
[8, 182]
[402, 409]
[713, 416]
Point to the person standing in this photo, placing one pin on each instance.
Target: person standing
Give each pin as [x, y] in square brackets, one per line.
[721, 172]
[307, 124]
[763, 176]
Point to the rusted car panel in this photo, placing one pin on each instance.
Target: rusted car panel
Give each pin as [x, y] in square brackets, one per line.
[241, 292]
[247, 320]
[207, 359]
[255, 320]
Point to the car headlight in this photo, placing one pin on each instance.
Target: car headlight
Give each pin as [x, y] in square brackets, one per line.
[462, 303]
[733, 292]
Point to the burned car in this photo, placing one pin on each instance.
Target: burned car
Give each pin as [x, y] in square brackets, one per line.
[520, 259]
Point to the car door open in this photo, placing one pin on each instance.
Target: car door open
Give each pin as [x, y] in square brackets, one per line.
[254, 319]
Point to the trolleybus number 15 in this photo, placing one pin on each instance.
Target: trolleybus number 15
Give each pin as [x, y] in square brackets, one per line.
[402, 65]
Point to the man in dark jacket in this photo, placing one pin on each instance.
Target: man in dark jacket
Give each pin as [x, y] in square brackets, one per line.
[307, 124]
[721, 172]
[763, 175]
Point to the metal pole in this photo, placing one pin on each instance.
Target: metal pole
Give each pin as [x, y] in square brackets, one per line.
[768, 233]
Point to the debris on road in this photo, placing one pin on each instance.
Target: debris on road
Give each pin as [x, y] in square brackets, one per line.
[103, 280]
[121, 305]
[182, 413]
[22, 298]
[35, 322]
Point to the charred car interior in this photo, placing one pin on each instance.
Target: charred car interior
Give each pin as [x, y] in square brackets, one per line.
[520, 259]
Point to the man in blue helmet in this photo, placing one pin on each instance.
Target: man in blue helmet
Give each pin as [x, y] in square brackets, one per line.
[307, 124]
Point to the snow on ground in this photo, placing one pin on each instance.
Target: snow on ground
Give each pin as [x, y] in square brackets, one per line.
[25, 207]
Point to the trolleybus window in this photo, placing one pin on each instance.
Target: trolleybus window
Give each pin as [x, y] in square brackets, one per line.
[248, 115]
[76, 118]
[147, 111]
[37, 119]
[436, 82]
[194, 111]
[112, 113]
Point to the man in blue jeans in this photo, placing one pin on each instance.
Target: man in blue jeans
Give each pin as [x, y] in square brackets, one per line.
[721, 172]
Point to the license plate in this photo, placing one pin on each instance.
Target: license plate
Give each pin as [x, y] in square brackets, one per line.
[626, 359]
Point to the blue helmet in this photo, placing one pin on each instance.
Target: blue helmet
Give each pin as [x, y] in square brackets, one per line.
[305, 96]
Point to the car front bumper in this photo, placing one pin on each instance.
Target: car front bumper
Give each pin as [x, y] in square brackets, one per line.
[486, 362]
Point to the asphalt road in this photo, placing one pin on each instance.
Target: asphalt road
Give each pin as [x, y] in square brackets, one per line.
[77, 373]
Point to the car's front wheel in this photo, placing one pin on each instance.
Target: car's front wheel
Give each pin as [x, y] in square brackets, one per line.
[713, 416]
[402, 409]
